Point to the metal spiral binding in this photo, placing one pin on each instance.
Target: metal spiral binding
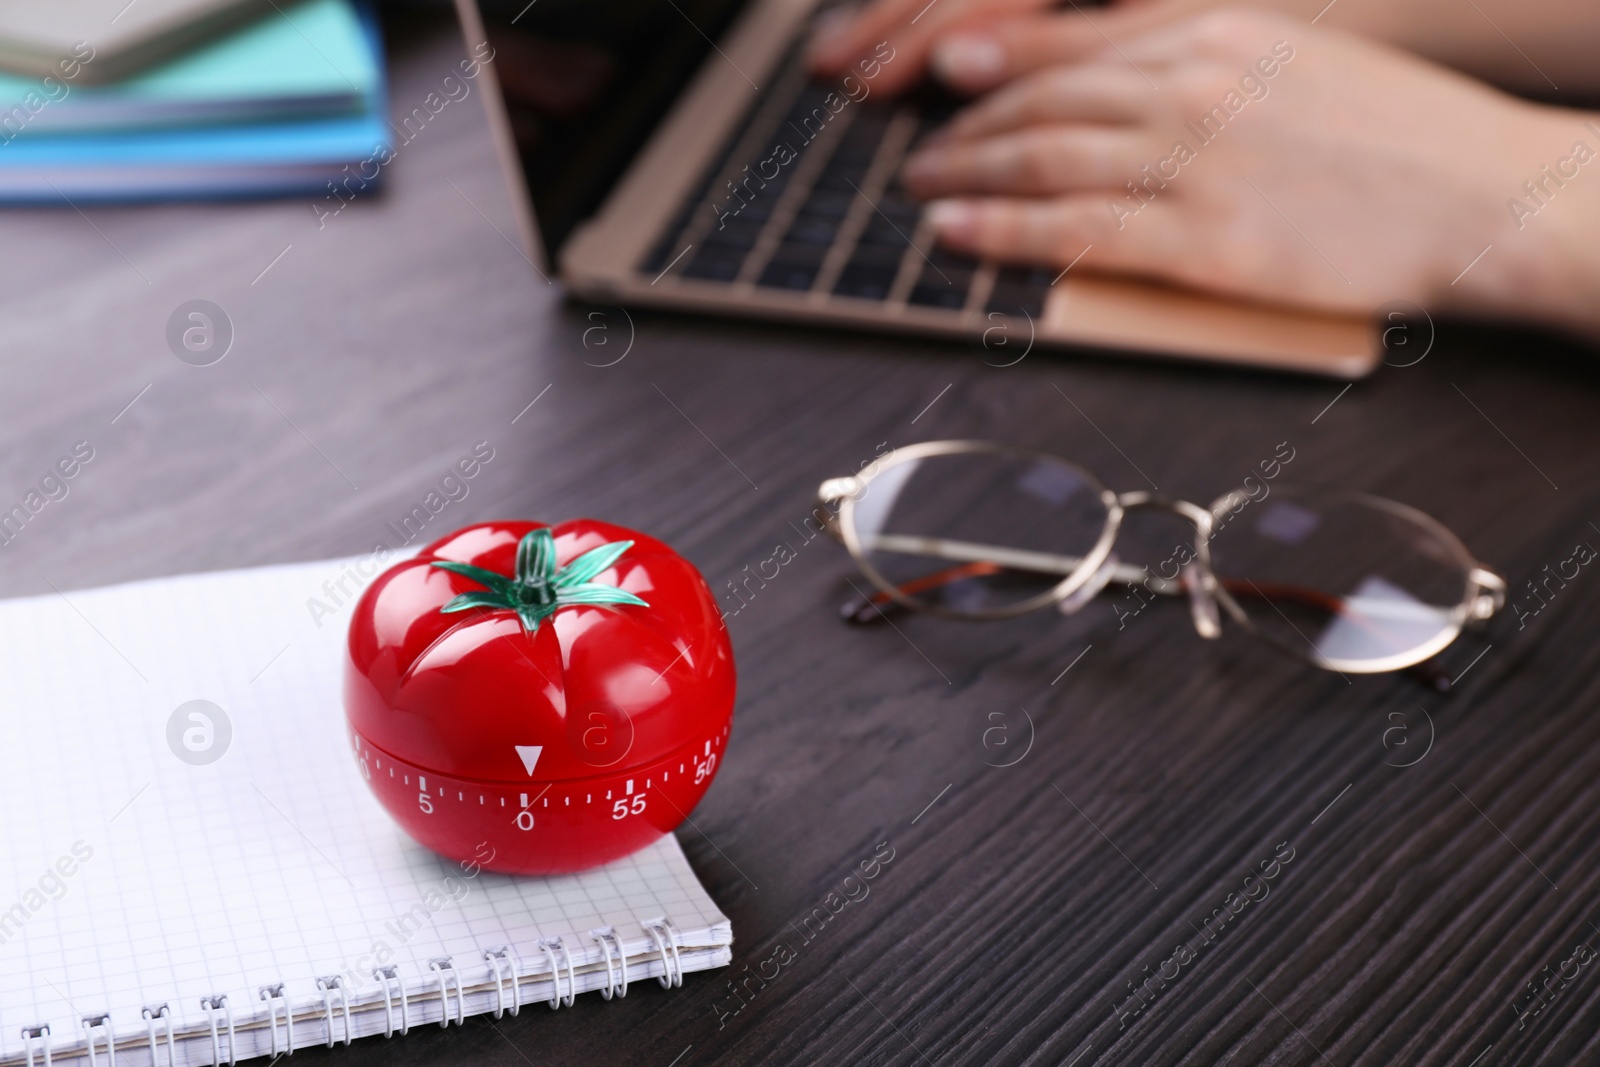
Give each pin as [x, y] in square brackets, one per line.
[90, 1022]
[665, 935]
[662, 932]
[329, 983]
[494, 957]
[439, 965]
[549, 945]
[272, 994]
[151, 1014]
[211, 1004]
[386, 975]
[30, 1034]
[606, 938]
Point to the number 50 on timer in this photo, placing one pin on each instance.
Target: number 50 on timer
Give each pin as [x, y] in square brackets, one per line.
[561, 693]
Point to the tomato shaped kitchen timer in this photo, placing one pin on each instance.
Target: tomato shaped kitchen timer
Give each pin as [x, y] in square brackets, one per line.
[552, 696]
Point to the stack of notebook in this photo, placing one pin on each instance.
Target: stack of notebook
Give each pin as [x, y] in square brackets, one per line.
[281, 100]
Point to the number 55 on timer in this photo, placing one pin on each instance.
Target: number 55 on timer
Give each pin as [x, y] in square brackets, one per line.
[561, 694]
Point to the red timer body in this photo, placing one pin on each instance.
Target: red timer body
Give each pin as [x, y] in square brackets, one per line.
[555, 697]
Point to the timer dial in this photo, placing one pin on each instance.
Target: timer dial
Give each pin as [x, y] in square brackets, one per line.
[544, 825]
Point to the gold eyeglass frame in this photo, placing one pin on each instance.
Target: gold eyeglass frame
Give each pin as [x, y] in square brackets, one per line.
[1483, 592]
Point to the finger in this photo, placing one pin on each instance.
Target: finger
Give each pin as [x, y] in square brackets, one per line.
[905, 30]
[840, 35]
[1097, 92]
[1039, 161]
[973, 59]
[1047, 233]
[1075, 231]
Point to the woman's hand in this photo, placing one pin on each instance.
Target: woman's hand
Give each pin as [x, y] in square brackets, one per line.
[975, 45]
[1264, 158]
[1537, 45]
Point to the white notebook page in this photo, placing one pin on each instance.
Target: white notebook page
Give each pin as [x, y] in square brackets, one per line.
[132, 878]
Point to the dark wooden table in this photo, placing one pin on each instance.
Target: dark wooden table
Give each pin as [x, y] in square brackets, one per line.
[1022, 902]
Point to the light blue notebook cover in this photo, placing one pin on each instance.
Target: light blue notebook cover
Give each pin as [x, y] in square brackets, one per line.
[206, 160]
[309, 58]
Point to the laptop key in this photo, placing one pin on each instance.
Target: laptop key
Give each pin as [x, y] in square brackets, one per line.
[828, 202]
[850, 154]
[812, 230]
[896, 201]
[942, 259]
[938, 295]
[885, 233]
[793, 267]
[737, 233]
[842, 179]
[937, 288]
[868, 276]
[806, 107]
[711, 263]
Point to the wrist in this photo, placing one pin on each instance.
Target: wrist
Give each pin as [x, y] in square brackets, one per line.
[1543, 257]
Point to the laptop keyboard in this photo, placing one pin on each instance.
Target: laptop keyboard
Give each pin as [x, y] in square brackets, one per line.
[807, 201]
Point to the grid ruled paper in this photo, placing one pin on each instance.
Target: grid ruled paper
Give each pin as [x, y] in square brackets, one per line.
[133, 878]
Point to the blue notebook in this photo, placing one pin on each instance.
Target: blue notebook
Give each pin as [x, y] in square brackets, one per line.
[280, 107]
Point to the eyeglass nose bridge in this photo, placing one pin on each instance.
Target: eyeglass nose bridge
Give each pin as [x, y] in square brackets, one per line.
[1197, 516]
[1196, 578]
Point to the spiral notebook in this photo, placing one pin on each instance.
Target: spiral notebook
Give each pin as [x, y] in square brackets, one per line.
[185, 890]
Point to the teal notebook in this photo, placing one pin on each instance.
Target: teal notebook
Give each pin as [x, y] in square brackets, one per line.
[212, 158]
[310, 58]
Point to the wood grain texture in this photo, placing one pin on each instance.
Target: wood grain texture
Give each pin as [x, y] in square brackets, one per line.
[1021, 901]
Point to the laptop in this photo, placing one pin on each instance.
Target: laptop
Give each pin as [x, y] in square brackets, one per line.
[766, 194]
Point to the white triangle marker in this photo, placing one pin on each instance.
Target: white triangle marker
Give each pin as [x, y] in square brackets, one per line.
[529, 754]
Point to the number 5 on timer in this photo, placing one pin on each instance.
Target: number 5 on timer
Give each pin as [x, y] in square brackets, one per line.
[562, 694]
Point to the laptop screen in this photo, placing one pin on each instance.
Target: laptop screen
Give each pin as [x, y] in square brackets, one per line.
[585, 84]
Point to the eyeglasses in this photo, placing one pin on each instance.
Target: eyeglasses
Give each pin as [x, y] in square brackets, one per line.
[975, 530]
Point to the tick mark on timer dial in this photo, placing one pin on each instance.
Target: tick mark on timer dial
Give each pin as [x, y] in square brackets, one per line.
[627, 796]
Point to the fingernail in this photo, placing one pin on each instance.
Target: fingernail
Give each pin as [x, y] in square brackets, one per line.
[923, 165]
[827, 33]
[953, 219]
[969, 60]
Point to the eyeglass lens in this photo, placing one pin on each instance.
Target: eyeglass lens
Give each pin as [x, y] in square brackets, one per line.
[1345, 580]
[977, 532]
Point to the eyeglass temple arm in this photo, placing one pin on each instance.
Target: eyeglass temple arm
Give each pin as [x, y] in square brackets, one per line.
[835, 490]
[1123, 573]
[1017, 559]
[829, 496]
[1051, 564]
[1489, 600]
[1491, 592]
